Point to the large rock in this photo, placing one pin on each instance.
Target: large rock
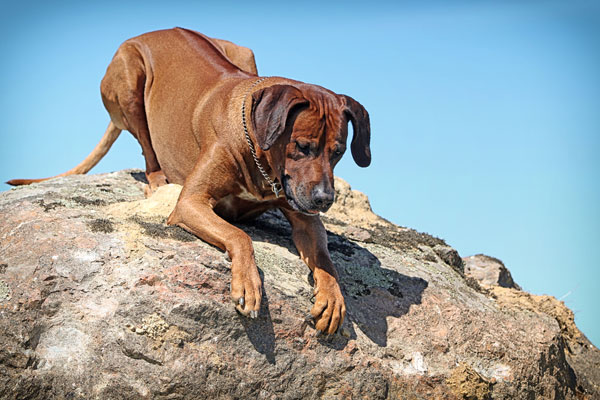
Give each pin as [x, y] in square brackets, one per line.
[488, 271]
[100, 299]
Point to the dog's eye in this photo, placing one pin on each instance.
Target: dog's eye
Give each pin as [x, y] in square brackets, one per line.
[304, 148]
[336, 153]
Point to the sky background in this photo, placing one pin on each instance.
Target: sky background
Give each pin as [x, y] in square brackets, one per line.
[485, 116]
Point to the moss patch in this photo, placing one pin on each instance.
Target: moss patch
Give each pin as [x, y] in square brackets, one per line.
[160, 230]
[404, 239]
[82, 201]
[360, 270]
[101, 225]
[359, 279]
[49, 206]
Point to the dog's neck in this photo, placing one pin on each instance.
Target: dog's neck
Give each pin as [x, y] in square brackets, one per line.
[275, 186]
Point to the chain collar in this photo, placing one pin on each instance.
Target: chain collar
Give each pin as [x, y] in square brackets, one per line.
[275, 186]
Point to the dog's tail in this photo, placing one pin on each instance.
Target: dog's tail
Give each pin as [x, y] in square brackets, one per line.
[111, 134]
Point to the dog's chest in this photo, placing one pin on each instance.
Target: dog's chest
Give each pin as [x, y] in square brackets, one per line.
[247, 196]
[241, 206]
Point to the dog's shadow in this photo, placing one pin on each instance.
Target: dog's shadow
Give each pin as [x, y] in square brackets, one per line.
[260, 331]
[372, 292]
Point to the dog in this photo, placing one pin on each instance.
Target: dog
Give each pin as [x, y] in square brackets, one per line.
[239, 144]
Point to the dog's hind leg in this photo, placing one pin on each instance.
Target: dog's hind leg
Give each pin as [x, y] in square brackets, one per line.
[122, 90]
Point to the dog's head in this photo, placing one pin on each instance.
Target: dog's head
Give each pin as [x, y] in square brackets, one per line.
[304, 128]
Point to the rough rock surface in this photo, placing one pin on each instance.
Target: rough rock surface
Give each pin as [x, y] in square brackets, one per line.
[100, 299]
[489, 271]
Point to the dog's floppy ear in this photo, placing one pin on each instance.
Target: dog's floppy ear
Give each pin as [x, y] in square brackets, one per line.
[361, 149]
[271, 111]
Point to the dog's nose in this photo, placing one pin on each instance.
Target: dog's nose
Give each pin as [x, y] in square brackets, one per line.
[322, 198]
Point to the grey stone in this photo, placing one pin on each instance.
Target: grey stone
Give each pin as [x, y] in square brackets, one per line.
[107, 302]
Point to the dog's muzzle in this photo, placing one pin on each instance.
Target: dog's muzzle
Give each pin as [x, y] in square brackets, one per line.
[320, 199]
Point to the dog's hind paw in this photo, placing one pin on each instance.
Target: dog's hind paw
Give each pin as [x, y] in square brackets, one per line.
[155, 179]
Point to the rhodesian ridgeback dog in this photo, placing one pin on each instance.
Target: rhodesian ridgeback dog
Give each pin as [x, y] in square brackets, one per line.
[239, 145]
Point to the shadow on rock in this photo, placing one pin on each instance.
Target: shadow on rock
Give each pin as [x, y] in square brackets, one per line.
[260, 331]
[372, 292]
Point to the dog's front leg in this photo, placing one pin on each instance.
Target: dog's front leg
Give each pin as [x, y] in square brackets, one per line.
[194, 213]
[310, 239]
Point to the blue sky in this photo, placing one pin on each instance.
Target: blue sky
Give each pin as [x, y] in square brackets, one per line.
[485, 115]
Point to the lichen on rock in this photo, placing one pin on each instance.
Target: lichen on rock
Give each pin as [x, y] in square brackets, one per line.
[4, 291]
[468, 384]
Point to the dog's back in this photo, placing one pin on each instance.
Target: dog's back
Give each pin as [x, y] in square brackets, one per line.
[191, 51]
[154, 85]
[174, 67]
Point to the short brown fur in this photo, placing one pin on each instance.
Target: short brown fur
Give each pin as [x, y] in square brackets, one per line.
[180, 94]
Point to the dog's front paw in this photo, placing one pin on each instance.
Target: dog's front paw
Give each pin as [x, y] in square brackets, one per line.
[246, 289]
[329, 309]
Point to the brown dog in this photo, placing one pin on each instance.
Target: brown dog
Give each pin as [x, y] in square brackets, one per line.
[234, 141]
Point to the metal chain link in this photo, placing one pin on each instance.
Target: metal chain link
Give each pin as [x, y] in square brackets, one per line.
[275, 187]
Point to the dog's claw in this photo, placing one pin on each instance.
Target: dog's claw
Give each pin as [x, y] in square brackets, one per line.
[241, 301]
[253, 314]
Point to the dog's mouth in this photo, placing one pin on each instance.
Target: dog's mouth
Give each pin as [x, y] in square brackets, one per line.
[291, 199]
